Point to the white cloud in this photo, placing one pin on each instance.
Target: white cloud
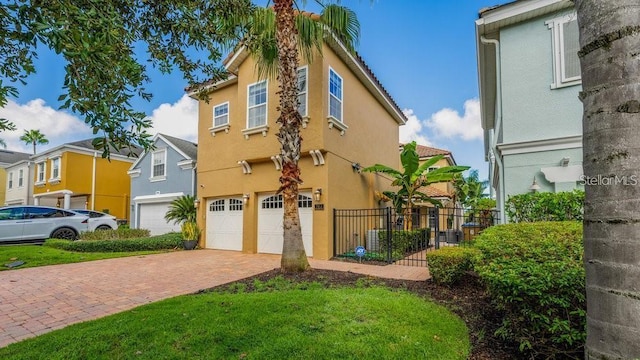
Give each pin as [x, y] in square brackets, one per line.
[449, 124]
[57, 126]
[411, 130]
[179, 119]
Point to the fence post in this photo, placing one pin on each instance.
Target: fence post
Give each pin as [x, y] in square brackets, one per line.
[436, 211]
[389, 234]
[335, 237]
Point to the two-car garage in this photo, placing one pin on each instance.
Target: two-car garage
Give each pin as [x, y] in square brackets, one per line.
[225, 223]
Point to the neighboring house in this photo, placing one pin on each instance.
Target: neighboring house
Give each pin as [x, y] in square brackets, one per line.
[349, 121]
[14, 175]
[443, 191]
[529, 79]
[158, 177]
[74, 175]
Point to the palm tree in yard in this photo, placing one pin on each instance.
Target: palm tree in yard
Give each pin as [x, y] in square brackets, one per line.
[34, 137]
[609, 38]
[275, 37]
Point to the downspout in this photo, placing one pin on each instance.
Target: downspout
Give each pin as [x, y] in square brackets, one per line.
[93, 182]
[498, 127]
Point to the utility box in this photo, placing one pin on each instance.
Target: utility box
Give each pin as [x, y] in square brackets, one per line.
[471, 230]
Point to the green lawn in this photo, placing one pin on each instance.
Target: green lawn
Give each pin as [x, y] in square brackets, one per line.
[36, 255]
[309, 323]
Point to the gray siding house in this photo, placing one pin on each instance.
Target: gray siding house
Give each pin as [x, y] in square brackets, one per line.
[529, 80]
[158, 177]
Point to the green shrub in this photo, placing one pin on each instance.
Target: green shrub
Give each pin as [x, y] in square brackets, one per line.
[161, 242]
[404, 241]
[535, 274]
[120, 233]
[546, 206]
[447, 265]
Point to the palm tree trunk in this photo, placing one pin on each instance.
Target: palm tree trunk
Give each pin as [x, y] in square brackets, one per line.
[609, 38]
[34, 147]
[294, 258]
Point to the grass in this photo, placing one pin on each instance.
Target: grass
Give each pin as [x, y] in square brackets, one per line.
[305, 322]
[36, 255]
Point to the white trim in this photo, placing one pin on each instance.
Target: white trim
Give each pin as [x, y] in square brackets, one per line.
[266, 105]
[524, 147]
[515, 8]
[259, 129]
[38, 181]
[153, 177]
[49, 193]
[232, 79]
[55, 179]
[333, 122]
[78, 150]
[20, 178]
[186, 164]
[215, 129]
[557, 47]
[330, 95]
[134, 173]
[306, 93]
[213, 120]
[10, 180]
[144, 199]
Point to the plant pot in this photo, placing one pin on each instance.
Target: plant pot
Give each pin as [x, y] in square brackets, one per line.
[189, 244]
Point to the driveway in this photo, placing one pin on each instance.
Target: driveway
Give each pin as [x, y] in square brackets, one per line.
[35, 301]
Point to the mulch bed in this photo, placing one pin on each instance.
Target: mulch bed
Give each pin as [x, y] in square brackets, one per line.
[467, 300]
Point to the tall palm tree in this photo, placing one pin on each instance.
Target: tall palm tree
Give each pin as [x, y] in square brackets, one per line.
[412, 178]
[34, 137]
[609, 38]
[275, 37]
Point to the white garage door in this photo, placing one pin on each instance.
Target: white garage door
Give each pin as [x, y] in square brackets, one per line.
[151, 217]
[224, 224]
[270, 213]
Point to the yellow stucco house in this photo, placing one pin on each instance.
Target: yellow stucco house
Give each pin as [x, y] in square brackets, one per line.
[350, 121]
[75, 176]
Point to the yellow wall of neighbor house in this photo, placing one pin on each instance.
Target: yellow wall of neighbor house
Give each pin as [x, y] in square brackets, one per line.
[372, 137]
[443, 186]
[3, 185]
[113, 185]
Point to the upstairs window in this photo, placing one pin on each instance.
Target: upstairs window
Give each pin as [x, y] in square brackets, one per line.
[20, 177]
[40, 175]
[221, 115]
[158, 164]
[302, 91]
[11, 180]
[55, 168]
[565, 45]
[257, 105]
[335, 95]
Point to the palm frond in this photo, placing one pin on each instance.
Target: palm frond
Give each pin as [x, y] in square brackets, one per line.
[181, 209]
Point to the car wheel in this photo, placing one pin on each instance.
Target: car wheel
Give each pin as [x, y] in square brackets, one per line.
[104, 227]
[64, 233]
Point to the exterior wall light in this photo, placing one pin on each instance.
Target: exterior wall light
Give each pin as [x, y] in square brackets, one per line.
[534, 186]
[245, 198]
[317, 195]
[196, 203]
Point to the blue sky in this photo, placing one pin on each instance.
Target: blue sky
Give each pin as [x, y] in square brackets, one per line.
[422, 51]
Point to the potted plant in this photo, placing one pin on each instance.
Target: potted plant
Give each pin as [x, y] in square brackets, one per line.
[190, 235]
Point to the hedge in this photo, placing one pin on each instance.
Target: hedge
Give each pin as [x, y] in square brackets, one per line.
[448, 265]
[535, 274]
[120, 233]
[404, 241]
[161, 242]
[546, 206]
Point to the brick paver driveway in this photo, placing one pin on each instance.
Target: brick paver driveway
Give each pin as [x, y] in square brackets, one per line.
[37, 300]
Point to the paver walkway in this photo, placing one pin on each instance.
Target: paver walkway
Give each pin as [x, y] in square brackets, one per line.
[34, 301]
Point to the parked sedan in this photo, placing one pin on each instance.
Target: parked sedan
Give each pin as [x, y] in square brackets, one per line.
[27, 222]
[99, 220]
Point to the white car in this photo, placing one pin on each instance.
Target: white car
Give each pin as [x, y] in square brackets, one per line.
[99, 220]
[26, 222]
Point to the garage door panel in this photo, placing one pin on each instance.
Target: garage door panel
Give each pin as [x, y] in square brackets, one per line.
[151, 217]
[224, 224]
[270, 223]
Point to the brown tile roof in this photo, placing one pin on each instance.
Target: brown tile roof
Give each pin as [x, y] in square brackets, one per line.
[434, 192]
[428, 151]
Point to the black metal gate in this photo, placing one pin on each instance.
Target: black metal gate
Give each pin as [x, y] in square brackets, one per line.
[388, 237]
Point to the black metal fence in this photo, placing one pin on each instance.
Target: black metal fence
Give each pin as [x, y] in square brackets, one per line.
[381, 235]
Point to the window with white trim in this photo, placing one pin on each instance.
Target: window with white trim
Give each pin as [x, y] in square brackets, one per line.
[335, 95]
[302, 91]
[257, 105]
[20, 177]
[221, 115]
[158, 164]
[11, 180]
[42, 169]
[55, 168]
[565, 45]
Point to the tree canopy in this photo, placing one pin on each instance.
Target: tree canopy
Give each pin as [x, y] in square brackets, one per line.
[98, 40]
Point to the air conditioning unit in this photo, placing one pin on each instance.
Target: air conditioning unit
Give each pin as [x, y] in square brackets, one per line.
[372, 240]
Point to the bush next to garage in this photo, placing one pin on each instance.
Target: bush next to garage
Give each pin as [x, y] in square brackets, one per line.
[160, 242]
[448, 265]
[120, 233]
[546, 206]
[535, 274]
[404, 241]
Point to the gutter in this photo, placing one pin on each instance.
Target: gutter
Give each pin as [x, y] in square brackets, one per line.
[497, 127]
